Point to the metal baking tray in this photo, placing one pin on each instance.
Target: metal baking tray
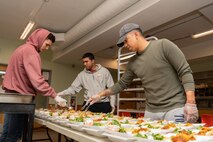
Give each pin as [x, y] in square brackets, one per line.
[15, 98]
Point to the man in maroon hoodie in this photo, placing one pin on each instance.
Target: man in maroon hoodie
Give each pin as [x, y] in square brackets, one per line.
[23, 75]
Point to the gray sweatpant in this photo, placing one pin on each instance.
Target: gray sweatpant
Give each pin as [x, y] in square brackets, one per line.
[176, 115]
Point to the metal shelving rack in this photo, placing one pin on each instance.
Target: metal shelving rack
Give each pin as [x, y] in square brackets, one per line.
[140, 101]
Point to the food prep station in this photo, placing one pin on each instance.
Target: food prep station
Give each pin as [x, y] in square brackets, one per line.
[91, 127]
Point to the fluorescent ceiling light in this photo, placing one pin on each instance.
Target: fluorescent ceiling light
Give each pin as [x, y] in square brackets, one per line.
[27, 30]
[203, 34]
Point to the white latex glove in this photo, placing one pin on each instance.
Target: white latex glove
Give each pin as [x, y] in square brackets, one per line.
[94, 99]
[190, 113]
[113, 109]
[60, 94]
[60, 101]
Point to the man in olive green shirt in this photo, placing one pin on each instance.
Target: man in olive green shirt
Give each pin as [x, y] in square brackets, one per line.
[164, 72]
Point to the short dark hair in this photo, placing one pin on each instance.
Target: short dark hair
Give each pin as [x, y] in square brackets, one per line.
[88, 55]
[51, 37]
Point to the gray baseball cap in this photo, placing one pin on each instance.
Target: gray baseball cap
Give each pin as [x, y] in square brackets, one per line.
[125, 30]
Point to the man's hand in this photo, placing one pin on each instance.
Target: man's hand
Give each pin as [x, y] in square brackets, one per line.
[60, 101]
[94, 99]
[190, 113]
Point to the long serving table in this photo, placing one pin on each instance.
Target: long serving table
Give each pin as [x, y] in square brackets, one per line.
[70, 133]
[19, 104]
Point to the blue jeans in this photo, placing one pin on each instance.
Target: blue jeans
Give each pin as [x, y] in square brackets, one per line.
[14, 125]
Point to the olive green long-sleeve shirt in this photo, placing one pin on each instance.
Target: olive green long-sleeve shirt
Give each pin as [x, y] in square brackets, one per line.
[164, 73]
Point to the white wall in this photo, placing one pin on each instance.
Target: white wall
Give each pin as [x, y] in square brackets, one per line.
[6, 48]
[198, 50]
[200, 56]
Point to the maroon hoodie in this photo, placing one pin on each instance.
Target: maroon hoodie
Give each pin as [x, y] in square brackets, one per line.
[23, 73]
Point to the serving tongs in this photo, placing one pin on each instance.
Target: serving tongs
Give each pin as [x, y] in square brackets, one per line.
[86, 106]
